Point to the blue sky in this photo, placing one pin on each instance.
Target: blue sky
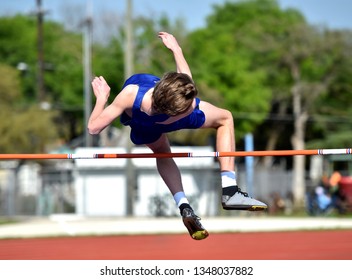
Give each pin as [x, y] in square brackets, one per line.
[331, 13]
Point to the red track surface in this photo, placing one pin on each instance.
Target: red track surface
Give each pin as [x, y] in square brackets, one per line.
[303, 245]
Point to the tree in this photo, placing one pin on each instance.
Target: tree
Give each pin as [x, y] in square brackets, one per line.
[259, 57]
[333, 114]
[309, 59]
[23, 129]
[233, 56]
[219, 64]
[63, 69]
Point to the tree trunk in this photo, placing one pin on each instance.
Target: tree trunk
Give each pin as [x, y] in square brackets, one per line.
[274, 135]
[270, 145]
[298, 143]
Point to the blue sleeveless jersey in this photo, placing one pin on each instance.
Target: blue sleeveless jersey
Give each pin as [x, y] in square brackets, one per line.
[147, 129]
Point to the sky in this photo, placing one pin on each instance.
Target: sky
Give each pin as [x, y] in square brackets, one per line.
[334, 14]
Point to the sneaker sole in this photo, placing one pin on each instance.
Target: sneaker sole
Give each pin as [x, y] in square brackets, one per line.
[200, 235]
[244, 207]
[193, 232]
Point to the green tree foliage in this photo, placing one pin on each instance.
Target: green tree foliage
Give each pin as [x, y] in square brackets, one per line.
[247, 54]
[332, 112]
[10, 88]
[309, 71]
[226, 57]
[22, 129]
[17, 44]
[252, 48]
[62, 58]
[63, 79]
[63, 63]
[108, 61]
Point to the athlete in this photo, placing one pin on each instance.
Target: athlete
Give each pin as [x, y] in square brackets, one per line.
[152, 107]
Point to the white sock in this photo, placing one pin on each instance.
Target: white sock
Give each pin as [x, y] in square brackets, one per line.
[228, 178]
[180, 198]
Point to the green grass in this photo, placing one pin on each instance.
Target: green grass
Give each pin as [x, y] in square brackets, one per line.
[4, 221]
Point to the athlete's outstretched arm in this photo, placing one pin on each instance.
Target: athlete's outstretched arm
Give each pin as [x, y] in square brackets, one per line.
[171, 43]
[103, 115]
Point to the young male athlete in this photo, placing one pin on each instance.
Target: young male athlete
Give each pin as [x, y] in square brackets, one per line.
[152, 107]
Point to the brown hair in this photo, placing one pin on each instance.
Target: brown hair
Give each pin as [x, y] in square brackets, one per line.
[173, 94]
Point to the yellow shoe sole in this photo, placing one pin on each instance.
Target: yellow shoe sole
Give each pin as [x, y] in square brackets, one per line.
[200, 235]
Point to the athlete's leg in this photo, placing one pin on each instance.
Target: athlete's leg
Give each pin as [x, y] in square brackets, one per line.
[167, 167]
[171, 175]
[222, 120]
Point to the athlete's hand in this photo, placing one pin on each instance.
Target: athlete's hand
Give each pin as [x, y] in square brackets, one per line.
[101, 88]
[169, 41]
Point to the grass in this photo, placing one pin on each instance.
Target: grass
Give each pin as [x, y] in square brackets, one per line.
[4, 221]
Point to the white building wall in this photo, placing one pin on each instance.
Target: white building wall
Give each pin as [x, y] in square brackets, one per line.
[101, 185]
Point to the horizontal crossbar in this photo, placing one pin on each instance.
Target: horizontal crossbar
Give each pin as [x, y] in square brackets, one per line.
[347, 151]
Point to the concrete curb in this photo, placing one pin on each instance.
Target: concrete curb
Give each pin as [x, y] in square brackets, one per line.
[73, 225]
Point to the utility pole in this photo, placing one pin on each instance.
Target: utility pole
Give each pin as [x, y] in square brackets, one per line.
[129, 54]
[87, 65]
[40, 42]
[130, 170]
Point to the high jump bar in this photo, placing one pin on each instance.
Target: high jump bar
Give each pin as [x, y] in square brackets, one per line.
[347, 151]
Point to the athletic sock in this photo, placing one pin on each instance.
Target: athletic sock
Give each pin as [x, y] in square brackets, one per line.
[228, 183]
[180, 198]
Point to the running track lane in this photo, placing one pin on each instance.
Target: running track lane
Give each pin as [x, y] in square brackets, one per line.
[297, 245]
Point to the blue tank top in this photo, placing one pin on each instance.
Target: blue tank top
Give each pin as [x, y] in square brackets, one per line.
[146, 129]
[145, 82]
